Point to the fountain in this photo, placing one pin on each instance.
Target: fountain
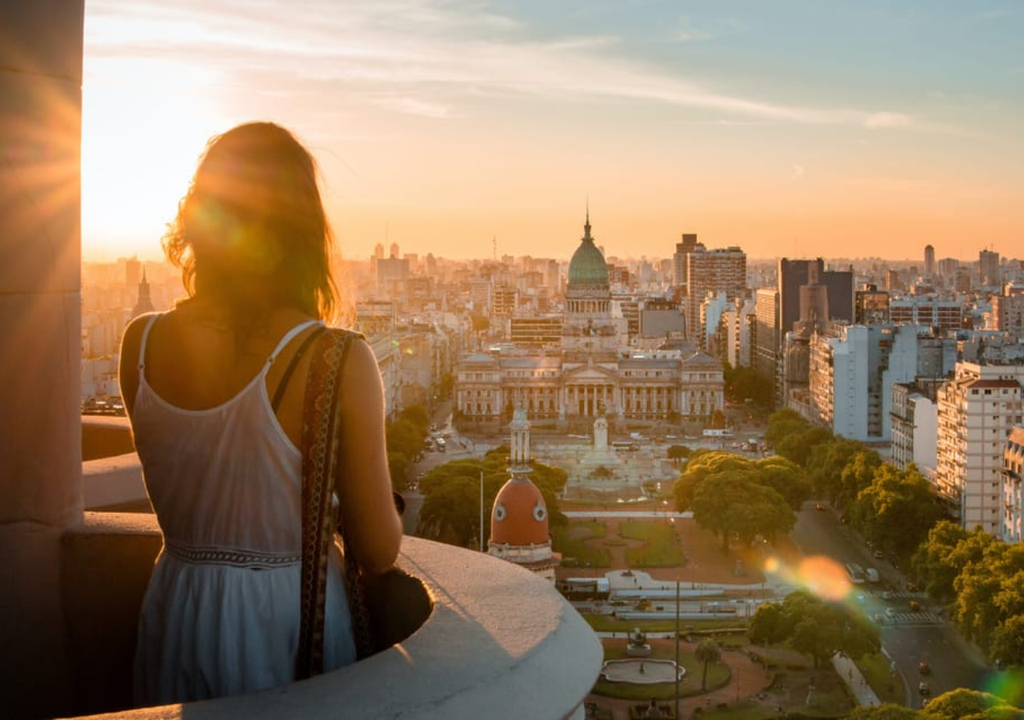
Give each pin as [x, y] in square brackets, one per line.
[642, 672]
[638, 645]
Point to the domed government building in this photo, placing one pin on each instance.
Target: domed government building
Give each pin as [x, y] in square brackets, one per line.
[593, 373]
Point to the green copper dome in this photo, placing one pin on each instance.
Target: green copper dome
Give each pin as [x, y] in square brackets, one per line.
[588, 266]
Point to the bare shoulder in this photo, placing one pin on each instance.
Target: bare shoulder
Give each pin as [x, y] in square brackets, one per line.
[128, 362]
[133, 332]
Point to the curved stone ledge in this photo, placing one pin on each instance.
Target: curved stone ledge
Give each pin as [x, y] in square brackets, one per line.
[110, 481]
[500, 643]
[106, 436]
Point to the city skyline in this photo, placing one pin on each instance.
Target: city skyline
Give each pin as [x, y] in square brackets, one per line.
[865, 131]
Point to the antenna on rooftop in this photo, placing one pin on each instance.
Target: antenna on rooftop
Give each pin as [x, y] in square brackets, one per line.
[494, 247]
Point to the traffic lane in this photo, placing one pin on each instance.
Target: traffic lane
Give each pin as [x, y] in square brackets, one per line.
[947, 655]
[820, 533]
[954, 662]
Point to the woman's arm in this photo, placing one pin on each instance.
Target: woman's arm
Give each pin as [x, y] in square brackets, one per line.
[371, 523]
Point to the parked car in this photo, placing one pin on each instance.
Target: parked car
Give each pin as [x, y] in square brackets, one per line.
[922, 687]
[924, 668]
[878, 554]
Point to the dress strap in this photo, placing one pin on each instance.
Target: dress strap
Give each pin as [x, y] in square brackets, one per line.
[145, 339]
[289, 336]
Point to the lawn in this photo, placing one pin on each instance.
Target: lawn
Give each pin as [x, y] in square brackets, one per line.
[660, 549]
[875, 668]
[571, 541]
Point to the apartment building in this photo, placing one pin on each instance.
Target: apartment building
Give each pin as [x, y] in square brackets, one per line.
[976, 412]
[1013, 501]
[852, 372]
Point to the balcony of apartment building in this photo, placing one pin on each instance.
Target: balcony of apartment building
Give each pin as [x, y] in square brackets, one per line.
[480, 637]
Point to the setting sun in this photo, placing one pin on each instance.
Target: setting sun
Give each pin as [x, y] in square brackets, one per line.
[143, 129]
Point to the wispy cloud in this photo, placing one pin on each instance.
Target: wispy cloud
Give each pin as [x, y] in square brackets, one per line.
[689, 32]
[423, 57]
[880, 120]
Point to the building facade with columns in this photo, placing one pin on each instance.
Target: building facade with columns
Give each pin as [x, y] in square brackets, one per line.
[591, 375]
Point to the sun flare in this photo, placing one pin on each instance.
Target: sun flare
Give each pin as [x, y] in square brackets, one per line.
[144, 125]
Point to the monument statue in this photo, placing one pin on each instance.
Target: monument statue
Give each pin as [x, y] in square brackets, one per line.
[600, 435]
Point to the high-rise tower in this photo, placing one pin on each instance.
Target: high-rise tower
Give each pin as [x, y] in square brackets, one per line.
[712, 272]
[679, 263]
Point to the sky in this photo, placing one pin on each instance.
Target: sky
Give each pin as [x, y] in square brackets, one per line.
[791, 128]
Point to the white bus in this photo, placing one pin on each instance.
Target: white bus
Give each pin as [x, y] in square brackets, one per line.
[625, 445]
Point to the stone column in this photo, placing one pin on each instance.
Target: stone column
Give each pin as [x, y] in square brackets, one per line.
[40, 323]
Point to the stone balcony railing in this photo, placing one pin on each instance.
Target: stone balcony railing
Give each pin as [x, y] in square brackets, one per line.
[489, 640]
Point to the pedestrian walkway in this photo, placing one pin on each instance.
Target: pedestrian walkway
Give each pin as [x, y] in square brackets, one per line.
[854, 680]
[901, 619]
[899, 595]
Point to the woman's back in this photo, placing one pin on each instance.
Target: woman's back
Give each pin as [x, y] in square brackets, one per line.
[220, 615]
[220, 469]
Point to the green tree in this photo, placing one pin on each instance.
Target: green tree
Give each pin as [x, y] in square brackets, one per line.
[821, 629]
[976, 588]
[963, 703]
[404, 438]
[786, 478]
[418, 416]
[798, 446]
[782, 424]
[744, 384]
[888, 711]
[677, 453]
[826, 462]
[897, 510]
[1010, 598]
[707, 652]
[857, 475]
[936, 562]
[700, 465]
[1008, 641]
[398, 468]
[768, 625]
[734, 503]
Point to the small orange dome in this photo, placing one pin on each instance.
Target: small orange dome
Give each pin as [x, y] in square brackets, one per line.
[519, 516]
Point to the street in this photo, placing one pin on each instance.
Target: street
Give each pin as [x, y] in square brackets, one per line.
[907, 637]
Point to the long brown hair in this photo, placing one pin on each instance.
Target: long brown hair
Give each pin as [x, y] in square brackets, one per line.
[251, 231]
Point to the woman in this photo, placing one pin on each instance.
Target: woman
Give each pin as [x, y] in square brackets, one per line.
[221, 461]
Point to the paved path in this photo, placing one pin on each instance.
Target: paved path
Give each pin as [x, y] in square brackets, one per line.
[851, 675]
[627, 514]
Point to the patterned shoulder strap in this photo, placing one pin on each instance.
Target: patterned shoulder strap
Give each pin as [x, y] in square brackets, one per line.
[320, 439]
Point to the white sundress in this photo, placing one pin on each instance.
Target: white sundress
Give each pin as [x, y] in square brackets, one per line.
[221, 613]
